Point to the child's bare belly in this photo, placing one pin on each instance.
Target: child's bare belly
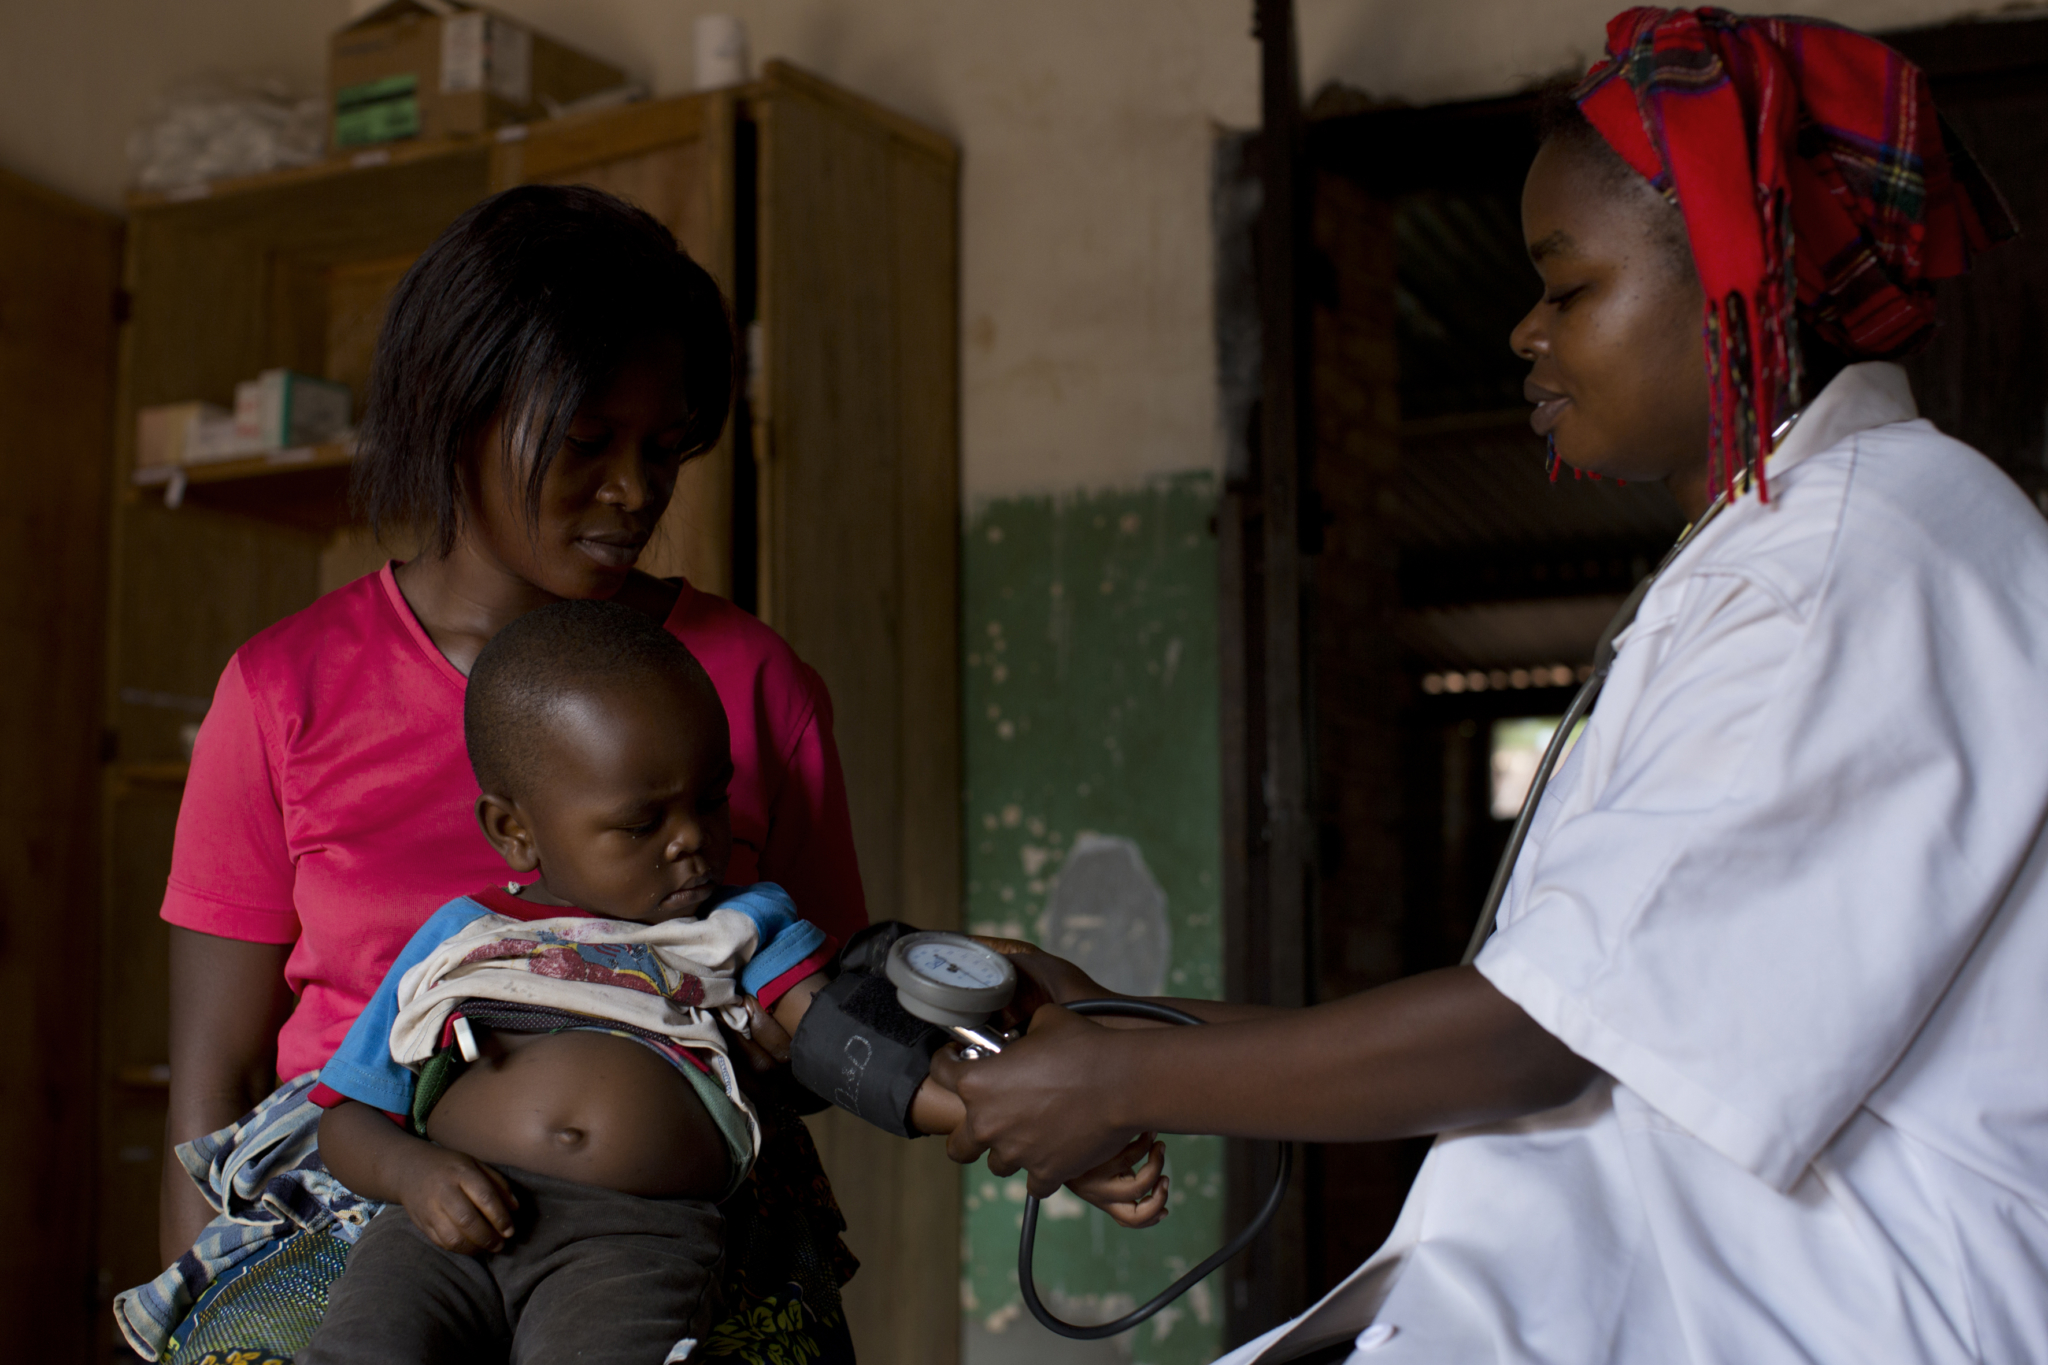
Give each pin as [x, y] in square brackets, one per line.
[594, 1108]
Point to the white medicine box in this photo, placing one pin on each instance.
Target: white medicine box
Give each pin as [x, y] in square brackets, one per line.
[280, 409]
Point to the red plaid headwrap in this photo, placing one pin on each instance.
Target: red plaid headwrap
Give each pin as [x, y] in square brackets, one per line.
[1809, 164]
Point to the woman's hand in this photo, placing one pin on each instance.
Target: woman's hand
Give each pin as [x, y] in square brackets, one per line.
[1132, 1193]
[1047, 1103]
[765, 1045]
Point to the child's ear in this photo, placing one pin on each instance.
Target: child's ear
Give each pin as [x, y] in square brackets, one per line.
[506, 828]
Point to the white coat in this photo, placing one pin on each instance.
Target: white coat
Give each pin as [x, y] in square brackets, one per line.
[1790, 894]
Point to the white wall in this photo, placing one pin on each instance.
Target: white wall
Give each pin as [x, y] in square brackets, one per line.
[1086, 125]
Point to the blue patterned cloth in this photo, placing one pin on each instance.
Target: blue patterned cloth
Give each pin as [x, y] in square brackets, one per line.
[264, 1177]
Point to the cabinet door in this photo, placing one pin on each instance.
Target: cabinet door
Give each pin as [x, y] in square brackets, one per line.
[857, 450]
[59, 273]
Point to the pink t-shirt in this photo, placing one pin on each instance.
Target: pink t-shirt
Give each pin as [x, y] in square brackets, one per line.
[331, 802]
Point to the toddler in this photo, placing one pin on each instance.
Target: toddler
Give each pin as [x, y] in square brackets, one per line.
[543, 1086]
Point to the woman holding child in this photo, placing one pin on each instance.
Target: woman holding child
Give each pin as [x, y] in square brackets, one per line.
[546, 369]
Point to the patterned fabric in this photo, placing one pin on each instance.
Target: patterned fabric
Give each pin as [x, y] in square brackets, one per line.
[264, 1310]
[785, 1260]
[260, 1271]
[263, 1176]
[1850, 200]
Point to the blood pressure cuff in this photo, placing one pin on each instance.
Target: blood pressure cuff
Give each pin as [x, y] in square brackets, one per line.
[860, 1049]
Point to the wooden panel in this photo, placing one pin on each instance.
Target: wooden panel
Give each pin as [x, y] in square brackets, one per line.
[134, 984]
[674, 159]
[59, 269]
[858, 497]
[925, 205]
[552, 149]
[357, 294]
[208, 277]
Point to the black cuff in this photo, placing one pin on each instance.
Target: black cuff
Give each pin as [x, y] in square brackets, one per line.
[868, 950]
[859, 1049]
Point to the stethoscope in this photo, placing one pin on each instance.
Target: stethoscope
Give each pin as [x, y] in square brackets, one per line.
[960, 985]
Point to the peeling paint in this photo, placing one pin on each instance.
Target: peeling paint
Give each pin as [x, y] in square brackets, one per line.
[1112, 690]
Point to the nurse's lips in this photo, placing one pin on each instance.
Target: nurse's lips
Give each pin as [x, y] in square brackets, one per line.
[1550, 406]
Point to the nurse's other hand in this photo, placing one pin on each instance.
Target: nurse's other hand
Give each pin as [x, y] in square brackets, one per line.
[1041, 1104]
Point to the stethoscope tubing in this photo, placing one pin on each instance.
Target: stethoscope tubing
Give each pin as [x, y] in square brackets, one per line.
[1027, 1241]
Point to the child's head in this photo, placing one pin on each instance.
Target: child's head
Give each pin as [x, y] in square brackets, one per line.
[601, 747]
[544, 371]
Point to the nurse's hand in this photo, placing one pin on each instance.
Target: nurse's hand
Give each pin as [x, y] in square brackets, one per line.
[1044, 1104]
[1042, 979]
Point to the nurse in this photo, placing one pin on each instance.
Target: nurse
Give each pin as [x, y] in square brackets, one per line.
[1751, 1070]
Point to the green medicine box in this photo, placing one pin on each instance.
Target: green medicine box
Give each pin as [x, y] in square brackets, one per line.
[377, 111]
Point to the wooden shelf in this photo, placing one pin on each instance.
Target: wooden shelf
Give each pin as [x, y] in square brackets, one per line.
[402, 153]
[306, 487]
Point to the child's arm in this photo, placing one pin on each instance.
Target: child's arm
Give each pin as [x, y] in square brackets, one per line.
[461, 1204]
[1134, 1196]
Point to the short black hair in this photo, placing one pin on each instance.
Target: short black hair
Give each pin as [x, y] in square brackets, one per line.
[563, 650]
[526, 306]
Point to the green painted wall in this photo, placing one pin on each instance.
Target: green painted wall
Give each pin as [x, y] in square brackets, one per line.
[1090, 668]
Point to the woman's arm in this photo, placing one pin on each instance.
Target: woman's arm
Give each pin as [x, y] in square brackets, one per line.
[1436, 1051]
[228, 1000]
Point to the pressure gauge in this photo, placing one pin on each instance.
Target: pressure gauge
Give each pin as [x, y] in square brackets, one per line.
[950, 980]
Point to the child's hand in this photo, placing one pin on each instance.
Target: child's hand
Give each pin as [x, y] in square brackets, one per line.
[462, 1205]
[1134, 1196]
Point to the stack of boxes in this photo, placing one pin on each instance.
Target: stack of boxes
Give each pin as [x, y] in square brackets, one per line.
[277, 410]
[414, 69]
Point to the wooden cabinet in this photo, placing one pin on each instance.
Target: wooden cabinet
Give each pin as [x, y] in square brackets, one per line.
[59, 271]
[829, 507]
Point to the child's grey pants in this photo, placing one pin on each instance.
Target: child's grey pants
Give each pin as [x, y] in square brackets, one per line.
[589, 1275]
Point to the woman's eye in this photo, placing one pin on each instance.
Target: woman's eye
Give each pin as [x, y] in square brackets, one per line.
[588, 445]
[1563, 297]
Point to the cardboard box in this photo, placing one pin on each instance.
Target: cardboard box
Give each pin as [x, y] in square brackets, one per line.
[166, 434]
[432, 68]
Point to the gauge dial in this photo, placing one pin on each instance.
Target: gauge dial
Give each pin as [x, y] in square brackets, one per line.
[956, 964]
[949, 979]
